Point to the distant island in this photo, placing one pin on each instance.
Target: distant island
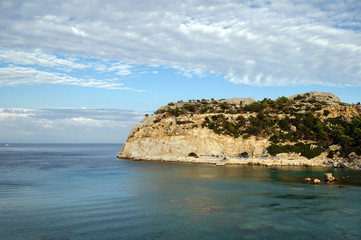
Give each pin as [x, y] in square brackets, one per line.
[310, 129]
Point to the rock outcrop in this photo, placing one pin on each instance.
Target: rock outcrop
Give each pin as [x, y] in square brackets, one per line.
[325, 97]
[344, 111]
[237, 101]
[177, 137]
[329, 178]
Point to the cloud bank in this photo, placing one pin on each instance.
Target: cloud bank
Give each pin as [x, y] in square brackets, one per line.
[254, 42]
[66, 125]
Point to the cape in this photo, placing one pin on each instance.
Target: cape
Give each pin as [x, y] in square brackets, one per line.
[311, 129]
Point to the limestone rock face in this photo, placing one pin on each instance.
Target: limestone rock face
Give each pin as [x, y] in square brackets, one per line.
[326, 97]
[157, 138]
[334, 148]
[344, 111]
[244, 101]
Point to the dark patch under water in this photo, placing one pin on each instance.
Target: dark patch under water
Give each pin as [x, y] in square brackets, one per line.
[81, 191]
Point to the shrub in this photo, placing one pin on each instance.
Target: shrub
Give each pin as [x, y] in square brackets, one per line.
[246, 136]
[254, 107]
[312, 100]
[214, 117]
[204, 110]
[305, 151]
[183, 122]
[189, 107]
[241, 121]
[160, 111]
[274, 139]
[284, 124]
[224, 105]
[192, 154]
[299, 97]
[331, 153]
[175, 112]
[283, 101]
[244, 154]
[302, 148]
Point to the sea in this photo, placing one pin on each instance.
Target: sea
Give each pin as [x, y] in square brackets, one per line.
[82, 191]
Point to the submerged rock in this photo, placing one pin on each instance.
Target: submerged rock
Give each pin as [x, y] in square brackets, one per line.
[329, 177]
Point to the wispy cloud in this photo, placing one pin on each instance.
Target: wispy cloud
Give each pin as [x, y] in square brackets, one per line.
[81, 125]
[38, 57]
[11, 76]
[252, 42]
[38, 67]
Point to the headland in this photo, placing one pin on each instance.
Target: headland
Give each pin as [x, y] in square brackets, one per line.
[310, 129]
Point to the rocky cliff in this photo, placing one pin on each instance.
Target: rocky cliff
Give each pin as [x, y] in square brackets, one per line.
[159, 137]
[230, 127]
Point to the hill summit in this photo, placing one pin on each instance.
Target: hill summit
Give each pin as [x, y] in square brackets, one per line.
[324, 97]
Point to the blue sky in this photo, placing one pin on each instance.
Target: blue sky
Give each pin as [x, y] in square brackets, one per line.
[99, 66]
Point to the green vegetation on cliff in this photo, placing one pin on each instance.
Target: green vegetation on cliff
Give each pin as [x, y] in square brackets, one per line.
[299, 125]
[306, 150]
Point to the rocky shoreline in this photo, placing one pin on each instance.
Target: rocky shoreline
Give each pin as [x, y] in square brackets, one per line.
[268, 162]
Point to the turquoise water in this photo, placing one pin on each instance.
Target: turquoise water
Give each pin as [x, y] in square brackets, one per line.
[81, 191]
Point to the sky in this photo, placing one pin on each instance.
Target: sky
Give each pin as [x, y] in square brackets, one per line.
[87, 71]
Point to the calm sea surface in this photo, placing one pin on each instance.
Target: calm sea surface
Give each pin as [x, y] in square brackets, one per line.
[82, 191]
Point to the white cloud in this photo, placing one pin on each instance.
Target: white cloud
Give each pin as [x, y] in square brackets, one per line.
[82, 121]
[190, 72]
[37, 66]
[121, 69]
[11, 76]
[79, 32]
[39, 58]
[253, 42]
[84, 125]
